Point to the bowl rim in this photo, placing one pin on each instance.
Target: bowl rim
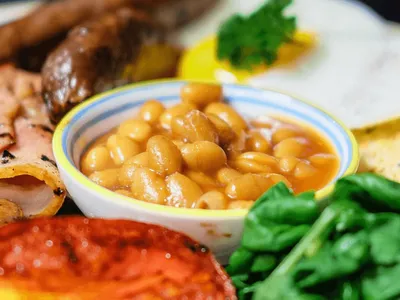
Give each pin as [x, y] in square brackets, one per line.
[79, 178]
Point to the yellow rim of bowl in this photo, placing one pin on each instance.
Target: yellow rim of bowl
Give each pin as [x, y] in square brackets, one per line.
[63, 161]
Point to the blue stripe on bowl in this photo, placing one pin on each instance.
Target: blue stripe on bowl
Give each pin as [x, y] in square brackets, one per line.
[107, 114]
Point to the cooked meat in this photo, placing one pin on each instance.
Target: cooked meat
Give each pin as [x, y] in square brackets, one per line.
[52, 19]
[93, 58]
[14, 86]
[9, 212]
[41, 30]
[28, 175]
[8, 111]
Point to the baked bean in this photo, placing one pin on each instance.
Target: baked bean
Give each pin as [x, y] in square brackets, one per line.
[255, 162]
[201, 94]
[96, 159]
[276, 178]
[121, 148]
[249, 166]
[304, 170]
[141, 160]
[203, 156]
[148, 186]
[203, 145]
[212, 200]
[237, 146]
[228, 114]
[106, 178]
[240, 204]
[285, 132]
[164, 157]
[248, 187]
[125, 174]
[193, 127]
[294, 146]
[183, 191]
[287, 164]
[226, 175]
[204, 181]
[224, 131]
[124, 193]
[257, 142]
[174, 111]
[137, 130]
[322, 159]
[179, 144]
[151, 111]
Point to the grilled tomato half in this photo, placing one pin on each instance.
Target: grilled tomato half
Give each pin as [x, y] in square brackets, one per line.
[80, 258]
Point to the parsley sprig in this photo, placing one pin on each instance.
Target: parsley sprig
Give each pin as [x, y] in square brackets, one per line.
[247, 41]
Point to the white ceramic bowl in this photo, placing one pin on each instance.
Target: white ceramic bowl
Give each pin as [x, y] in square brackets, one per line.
[219, 230]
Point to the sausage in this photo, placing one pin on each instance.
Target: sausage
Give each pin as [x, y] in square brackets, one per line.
[51, 19]
[80, 258]
[93, 58]
[30, 39]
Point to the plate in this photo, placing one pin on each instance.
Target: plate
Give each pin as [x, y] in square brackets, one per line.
[346, 75]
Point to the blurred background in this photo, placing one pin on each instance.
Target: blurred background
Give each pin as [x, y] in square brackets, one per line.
[352, 72]
[389, 9]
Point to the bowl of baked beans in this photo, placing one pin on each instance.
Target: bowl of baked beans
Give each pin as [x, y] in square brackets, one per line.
[195, 156]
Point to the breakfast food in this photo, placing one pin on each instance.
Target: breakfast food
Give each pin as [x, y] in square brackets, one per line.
[28, 175]
[111, 50]
[15, 87]
[236, 54]
[343, 247]
[380, 148]
[200, 62]
[40, 24]
[79, 258]
[39, 27]
[201, 153]
[97, 55]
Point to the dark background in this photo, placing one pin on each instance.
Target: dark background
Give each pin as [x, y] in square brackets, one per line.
[389, 9]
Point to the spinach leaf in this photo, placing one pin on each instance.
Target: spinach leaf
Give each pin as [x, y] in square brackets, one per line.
[381, 283]
[349, 290]
[279, 219]
[283, 288]
[334, 260]
[264, 263]
[373, 192]
[240, 261]
[275, 223]
[349, 251]
[385, 241]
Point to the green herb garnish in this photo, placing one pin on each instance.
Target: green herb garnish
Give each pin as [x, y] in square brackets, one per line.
[247, 41]
[348, 248]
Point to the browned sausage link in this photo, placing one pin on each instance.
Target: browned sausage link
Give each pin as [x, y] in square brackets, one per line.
[52, 19]
[93, 58]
